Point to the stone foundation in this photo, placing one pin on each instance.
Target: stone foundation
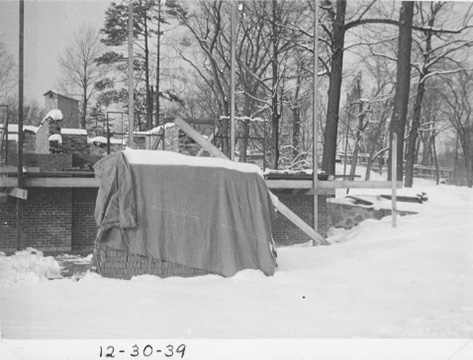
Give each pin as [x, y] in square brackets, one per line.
[347, 216]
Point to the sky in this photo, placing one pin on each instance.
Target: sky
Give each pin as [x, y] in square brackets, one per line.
[49, 26]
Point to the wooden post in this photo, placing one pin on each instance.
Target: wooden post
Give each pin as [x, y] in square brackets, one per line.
[131, 102]
[283, 209]
[314, 120]
[394, 179]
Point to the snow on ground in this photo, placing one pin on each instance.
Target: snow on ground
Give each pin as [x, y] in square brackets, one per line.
[375, 281]
[29, 266]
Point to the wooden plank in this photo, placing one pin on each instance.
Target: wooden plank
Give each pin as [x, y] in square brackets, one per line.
[325, 185]
[17, 193]
[199, 139]
[14, 170]
[4, 131]
[51, 182]
[289, 184]
[211, 137]
[283, 209]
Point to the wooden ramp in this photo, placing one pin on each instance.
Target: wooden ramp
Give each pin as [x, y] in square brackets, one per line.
[283, 209]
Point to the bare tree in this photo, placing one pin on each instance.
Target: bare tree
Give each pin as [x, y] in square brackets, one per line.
[437, 44]
[264, 67]
[7, 80]
[33, 113]
[79, 71]
[459, 111]
[401, 98]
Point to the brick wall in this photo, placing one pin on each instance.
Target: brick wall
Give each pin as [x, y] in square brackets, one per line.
[8, 224]
[84, 228]
[70, 110]
[171, 139]
[63, 219]
[12, 149]
[47, 162]
[284, 231]
[29, 145]
[84, 161]
[54, 219]
[29, 142]
[47, 220]
[101, 151]
[74, 144]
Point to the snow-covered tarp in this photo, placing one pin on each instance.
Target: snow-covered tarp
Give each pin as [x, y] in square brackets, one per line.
[205, 213]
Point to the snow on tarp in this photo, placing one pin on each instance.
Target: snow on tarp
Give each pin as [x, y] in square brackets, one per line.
[205, 217]
[27, 266]
[149, 157]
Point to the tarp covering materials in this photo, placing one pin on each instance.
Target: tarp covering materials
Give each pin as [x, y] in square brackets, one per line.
[205, 213]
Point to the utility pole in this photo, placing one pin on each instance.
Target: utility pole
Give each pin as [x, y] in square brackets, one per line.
[19, 202]
[131, 102]
[158, 67]
[314, 118]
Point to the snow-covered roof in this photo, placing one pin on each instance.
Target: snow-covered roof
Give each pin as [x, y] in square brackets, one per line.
[243, 118]
[72, 131]
[54, 114]
[103, 140]
[292, 172]
[49, 91]
[155, 130]
[159, 157]
[56, 137]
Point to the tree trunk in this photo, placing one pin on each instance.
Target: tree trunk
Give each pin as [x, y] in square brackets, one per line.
[455, 164]
[434, 153]
[335, 83]
[296, 119]
[83, 120]
[274, 96]
[149, 100]
[401, 99]
[411, 155]
[158, 64]
[296, 129]
[359, 131]
[244, 141]
[245, 125]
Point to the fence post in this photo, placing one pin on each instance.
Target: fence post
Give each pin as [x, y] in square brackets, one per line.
[394, 180]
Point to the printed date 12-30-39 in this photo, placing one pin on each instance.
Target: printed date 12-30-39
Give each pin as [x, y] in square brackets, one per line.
[146, 351]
